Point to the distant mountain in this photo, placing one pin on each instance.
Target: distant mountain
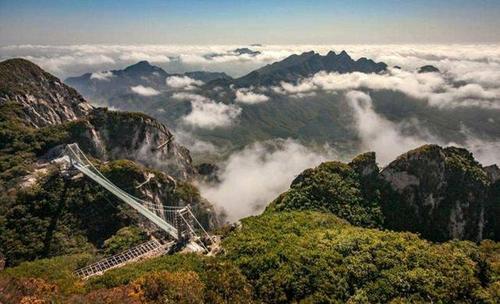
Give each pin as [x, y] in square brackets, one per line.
[306, 64]
[246, 51]
[323, 118]
[428, 69]
[207, 76]
[108, 84]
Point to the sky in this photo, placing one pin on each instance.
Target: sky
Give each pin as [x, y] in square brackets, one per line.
[245, 22]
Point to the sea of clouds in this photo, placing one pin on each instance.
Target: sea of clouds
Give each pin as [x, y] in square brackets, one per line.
[467, 62]
[252, 177]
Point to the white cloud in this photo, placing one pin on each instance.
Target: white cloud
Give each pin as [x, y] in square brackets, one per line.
[468, 62]
[206, 113]
[249, 97]
[388, 140]
[190, 97]
[253, 177]
[139, 56]
[433, 87]
[376, 133]
[144, 91]
[183, 82]
[105, 76]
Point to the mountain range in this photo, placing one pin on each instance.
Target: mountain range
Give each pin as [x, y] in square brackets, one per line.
[423, 228]
[315, 118]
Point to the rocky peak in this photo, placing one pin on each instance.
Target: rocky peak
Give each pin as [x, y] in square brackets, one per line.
[141, 66]
[123, 135]
[443, 193]
[428, 69]
[306, 64]
[45, 100]
[493, 173]
[365, 164]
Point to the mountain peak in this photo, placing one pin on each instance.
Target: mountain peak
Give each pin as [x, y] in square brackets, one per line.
[140, 66]
[44, 99]
[344, 53]
[306, 64]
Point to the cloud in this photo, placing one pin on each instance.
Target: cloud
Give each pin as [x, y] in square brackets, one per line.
[206, 113]
[249, 97]
[105, 76]
[377, 133]
[389, 140]
[183, 82]
[196, 146]
[435, 88]
[144, 91]
[253, 177]
[467, 62]
[139, 56]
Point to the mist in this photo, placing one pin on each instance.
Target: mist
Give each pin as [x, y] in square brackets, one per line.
[253, 177]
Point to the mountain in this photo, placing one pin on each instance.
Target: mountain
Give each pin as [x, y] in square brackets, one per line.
[428, 69]
[38, 99]
[306, 64]
[316, 117]
[207, 76]
[64, 213]
[440, 193]
[44, 99]
[101, 86]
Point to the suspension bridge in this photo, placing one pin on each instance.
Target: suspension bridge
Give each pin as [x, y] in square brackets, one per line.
[178, 222]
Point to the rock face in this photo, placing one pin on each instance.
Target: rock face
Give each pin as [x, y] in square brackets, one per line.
[295, 67]
[105, 134]
[44, 98]
[442, 193]
[120, 135]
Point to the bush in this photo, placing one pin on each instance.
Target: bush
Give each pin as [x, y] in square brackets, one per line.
[124, 238]
[317, 258]
[333, 187]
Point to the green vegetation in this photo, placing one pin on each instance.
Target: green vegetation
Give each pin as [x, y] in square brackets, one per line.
[123, 239]
[314, 257]
[291, 257]
[333, 187]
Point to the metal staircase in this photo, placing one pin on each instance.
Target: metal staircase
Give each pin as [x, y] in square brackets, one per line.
[149, 249]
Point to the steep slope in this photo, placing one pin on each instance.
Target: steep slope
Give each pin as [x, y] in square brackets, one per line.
[441, 193]
[34, 98]
[45, 100]
[134, 136]
[306, 64]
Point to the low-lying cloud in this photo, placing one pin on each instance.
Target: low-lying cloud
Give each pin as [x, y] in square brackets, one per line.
[377, 133]
[207, 113]
[467, 62]
[105, 75]
[183, 82]
[389, 140]
[249, 97]
[438, 90]
[144, 91]
[253, 177]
